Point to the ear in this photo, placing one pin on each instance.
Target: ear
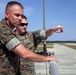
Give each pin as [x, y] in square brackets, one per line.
[6, 14]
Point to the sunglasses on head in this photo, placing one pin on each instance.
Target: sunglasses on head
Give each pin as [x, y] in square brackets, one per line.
[23, 24]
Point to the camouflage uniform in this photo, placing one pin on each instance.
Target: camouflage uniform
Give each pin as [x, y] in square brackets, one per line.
[9, 61]
[30, 40]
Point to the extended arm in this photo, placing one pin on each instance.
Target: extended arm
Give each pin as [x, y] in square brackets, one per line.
[50, 31]
[29, 55]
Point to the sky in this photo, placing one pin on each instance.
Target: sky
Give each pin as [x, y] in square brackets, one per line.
[57, 12]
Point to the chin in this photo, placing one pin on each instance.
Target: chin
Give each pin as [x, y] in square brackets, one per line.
[23, 31]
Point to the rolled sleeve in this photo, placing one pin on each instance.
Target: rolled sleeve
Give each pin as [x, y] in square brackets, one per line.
[42, 33]
[12, 44]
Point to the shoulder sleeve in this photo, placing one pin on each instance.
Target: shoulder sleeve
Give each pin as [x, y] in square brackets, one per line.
[7, 38]
[12, 43]
[40, 33]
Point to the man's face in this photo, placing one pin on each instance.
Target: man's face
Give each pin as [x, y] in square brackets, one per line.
[22, 27]
[14, 15]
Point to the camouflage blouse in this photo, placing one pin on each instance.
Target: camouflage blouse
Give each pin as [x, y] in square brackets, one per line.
[9, 61]
[30, 40]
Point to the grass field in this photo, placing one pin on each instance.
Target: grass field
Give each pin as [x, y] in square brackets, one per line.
[51, 45]
[71, 45]
[40, 46]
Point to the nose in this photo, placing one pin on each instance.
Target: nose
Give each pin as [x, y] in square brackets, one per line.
[20, 18]
[25, 26]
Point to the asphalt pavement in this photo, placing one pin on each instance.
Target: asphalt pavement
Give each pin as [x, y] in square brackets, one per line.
[66, 61]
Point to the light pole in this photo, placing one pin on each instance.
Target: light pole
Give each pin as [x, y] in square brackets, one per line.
[44, 27]
[53, 69]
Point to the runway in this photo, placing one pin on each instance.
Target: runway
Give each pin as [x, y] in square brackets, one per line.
[67, 61]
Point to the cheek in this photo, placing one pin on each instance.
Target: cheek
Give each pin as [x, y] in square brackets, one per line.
[12, 19]
[21, 28]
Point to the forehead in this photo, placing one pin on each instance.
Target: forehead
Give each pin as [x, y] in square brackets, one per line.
[16, 9]
[24, 21]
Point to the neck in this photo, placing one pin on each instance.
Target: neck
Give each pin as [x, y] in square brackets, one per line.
[20, 33]
[10, 25]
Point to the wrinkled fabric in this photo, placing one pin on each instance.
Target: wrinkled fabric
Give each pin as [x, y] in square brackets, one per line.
[30, 40]
[9, 61]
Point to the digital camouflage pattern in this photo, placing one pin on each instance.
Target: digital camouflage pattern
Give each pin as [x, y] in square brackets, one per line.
[30, 40]
[9, 61]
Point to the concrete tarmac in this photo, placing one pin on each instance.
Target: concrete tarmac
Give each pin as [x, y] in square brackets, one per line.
[66, 61]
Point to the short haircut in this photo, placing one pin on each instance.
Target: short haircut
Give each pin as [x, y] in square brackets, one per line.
[24, 17]
[12, 3]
